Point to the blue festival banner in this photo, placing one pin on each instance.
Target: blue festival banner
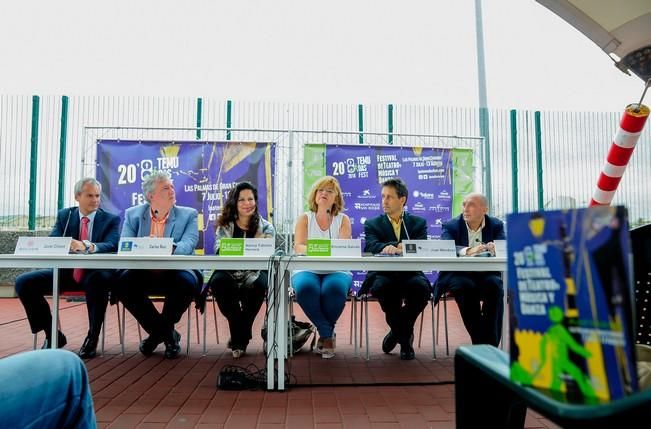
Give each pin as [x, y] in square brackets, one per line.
[360, 171]
[203, 174]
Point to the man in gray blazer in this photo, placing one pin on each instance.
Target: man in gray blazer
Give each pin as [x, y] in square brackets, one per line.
[160, 217]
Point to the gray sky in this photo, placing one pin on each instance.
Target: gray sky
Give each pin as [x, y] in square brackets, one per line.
[353, 51]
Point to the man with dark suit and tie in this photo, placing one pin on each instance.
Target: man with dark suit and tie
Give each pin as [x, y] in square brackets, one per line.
[93, 231]
[384, 235]
[479, 295]
[160, 217]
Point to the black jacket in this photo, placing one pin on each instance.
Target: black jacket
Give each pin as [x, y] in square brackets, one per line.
[456, 229]
[379, 234]
[105, 234]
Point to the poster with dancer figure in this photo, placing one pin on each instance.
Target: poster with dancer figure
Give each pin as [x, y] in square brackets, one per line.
[570, 283]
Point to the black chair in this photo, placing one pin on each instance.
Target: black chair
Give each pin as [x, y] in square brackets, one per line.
[485, 396]
[435, 301]
[364, 295]
[641, 247]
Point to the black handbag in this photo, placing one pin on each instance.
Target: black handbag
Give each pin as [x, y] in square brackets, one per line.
[301, 334]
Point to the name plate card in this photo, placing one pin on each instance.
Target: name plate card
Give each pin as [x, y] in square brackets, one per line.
[351, 247]
[500, 248]
[337, 247]
[145, 246]
[247, 246]
[43, 246]
[429, 248]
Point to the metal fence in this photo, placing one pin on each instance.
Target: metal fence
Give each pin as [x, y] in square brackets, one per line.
[536, 159]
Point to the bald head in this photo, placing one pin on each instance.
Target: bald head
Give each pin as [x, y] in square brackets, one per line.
[475, 207]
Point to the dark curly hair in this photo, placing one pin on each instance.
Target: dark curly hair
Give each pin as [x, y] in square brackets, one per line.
[229, 212]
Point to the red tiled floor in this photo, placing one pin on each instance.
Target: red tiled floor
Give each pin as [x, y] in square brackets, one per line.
[135, 391]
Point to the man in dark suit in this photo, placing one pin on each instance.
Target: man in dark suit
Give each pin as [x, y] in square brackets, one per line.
[479, 295]
[93, 231]
[384, 235]
[160, 217]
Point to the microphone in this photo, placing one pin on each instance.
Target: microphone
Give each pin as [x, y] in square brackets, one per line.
[65, 228]
[156, 213]
[329, 223]
[402, 222]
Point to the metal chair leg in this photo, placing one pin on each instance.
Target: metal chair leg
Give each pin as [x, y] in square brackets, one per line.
[445, 317]
[420, 334]
[123, 327]
[205, 328]
[368, 349]
[290, 325]
[434, 327]
[214, 313]
[196, 318]
[361, 320]
[438, 318]
[353, 325]
[103, 334]
[187, 345]
[350, 341]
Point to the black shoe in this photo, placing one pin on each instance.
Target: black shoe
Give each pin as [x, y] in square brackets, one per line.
[173, 348]
[407, 352]
[149, 344]
[61, 341]
[389, 343]
[89, 348]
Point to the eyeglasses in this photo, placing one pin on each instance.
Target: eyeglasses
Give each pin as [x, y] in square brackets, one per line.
[327, 191]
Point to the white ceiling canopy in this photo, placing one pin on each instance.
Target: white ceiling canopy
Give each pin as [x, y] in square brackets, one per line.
[621, 28]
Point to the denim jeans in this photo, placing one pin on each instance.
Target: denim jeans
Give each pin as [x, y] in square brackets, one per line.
[322, 297]
[45, 389]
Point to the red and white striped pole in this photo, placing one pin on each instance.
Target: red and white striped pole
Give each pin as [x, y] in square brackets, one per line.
[624, 141]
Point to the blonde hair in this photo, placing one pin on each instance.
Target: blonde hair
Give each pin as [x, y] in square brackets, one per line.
[338, 205]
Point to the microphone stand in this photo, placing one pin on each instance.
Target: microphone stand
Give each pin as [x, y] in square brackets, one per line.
[329, 223]
[65, 228]
[402, 222]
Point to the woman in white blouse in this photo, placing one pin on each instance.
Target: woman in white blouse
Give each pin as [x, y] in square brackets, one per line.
[322, 294]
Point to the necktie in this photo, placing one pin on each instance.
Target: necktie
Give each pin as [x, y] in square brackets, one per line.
[78, 273]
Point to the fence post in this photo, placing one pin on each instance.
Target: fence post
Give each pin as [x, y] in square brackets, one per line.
[229, 107]
[360, 122]
[63, 142]
[199, 116]
[33, 162]
[486, 151]
[514, 159]
[390, 121]
[539, 166]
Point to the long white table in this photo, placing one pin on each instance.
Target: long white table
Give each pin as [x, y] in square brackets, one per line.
[113, 261]
[158, 262]
[277, 294]
[397, 263]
